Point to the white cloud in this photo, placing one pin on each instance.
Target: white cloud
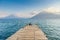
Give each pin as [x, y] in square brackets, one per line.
[55, 10]
[33, 13]
[52, 10]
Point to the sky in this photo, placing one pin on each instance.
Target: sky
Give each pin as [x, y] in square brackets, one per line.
[24, 8]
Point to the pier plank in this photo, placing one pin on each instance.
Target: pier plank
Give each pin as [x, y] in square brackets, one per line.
[30, 32]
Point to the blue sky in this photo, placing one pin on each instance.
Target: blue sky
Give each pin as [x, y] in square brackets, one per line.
[25, 6]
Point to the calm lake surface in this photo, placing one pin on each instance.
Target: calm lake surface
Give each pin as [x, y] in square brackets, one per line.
[51, 27]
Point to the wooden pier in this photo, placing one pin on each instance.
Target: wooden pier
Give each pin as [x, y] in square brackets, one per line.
[30, 32]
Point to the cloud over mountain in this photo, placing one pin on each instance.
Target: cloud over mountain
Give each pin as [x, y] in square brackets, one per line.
[47, 12]
[46, 15]
[52, 10]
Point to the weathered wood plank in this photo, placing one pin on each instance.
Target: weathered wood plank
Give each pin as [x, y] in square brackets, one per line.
[30, 32]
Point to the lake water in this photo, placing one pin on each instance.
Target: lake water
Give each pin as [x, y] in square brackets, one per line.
[51, 27]
[9, 27]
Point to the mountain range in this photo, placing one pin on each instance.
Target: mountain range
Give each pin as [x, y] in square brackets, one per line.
[46, 15]
[41, 15]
